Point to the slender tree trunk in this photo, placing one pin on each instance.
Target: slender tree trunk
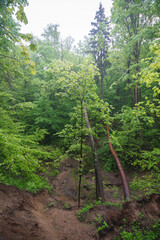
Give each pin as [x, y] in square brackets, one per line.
[136, 94]
[99, 184]
[128, 91]
[122, 173]
[102, 74]
[101, 86]
[136, 55]
[81, 155]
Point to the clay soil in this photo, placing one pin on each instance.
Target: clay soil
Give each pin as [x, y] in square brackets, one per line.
[44, 216]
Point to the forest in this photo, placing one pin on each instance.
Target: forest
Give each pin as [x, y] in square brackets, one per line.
[95, 103]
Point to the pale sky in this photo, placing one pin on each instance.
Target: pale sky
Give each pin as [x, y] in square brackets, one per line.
[73, 16]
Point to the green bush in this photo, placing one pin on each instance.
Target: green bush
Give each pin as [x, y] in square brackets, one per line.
[137, 233]
[148, 184]
[22, 159]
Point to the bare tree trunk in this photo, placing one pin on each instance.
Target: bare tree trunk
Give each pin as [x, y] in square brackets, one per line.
[81, 155]
[80, 179]
[136, 94]
[99, 184]
[101, 86]
[136, 55]
[122, 173]
[128, 91]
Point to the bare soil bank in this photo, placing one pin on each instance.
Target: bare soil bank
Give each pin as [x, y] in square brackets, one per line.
[24, 216]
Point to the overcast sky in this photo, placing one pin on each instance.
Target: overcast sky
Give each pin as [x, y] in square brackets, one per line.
[73, 16]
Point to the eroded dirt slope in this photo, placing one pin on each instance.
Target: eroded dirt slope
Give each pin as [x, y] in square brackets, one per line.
[24, 216]
[44, 216]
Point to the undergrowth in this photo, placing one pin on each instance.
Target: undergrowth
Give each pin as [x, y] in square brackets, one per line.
[147, 184]
[24, 163]
[141, 233]
[82, 214]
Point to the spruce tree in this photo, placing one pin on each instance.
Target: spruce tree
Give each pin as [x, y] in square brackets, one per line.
[100, 42]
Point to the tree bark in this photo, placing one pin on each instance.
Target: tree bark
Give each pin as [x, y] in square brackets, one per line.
[81, 155]
[136, 55]
[99, 184]
[136, 94]
[122, 173]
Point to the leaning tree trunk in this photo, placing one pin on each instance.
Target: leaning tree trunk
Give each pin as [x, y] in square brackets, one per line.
[99, 184]
[122, 173]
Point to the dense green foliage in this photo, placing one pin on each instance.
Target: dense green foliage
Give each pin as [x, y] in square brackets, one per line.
[45, 81]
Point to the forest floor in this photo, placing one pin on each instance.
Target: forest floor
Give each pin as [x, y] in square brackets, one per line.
[44, 216]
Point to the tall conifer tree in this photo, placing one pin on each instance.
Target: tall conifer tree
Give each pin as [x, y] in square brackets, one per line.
[100, 42]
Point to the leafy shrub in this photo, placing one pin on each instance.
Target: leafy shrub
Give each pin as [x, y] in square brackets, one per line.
[82, 213]
[149, 183]
[21, 157]
[137, 233]
[103, 226]
[149, 160]
[134, 141]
